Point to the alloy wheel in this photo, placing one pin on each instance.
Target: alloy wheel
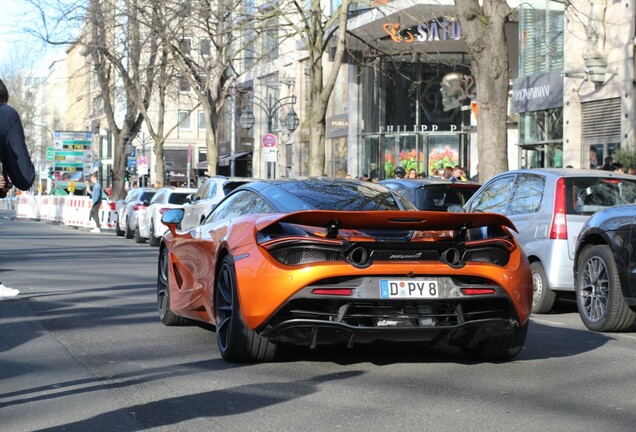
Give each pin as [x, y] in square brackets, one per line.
[224, 306]
[595, 288]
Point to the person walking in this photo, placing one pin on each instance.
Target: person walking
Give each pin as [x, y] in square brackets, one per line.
[17, 168]
[96, 194]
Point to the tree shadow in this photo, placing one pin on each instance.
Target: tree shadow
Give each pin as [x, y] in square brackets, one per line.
[216, 403]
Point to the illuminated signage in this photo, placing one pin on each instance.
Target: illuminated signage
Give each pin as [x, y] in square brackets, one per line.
[439, 29]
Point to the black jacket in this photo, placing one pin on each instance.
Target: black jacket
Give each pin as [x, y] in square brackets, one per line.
[13, 150]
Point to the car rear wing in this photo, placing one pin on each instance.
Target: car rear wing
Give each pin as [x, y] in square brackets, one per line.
[387, 220]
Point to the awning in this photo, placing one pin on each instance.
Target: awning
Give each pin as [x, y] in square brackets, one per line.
[226, 159]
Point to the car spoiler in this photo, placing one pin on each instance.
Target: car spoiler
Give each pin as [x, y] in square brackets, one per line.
[387, 219]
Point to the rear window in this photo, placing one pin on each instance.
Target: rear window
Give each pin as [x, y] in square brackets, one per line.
[147, 196]
[349, 196]
[587, 195]
[439, 197]
[178, 198]
[231, 185]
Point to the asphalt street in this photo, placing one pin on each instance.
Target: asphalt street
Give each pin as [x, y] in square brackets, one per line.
[82, 349]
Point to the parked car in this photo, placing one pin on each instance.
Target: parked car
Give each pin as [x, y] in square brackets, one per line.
[131, 209]
[604, 264]
[207, 196]
[433, 193]
[321, 261]
[549, 207]
[150, 227]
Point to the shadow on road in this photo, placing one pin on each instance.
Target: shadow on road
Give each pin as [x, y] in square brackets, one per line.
[216, 403]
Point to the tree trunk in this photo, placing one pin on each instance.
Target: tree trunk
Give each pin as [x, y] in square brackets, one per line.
[483, 32]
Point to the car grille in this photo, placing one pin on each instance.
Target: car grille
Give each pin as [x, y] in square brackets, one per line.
[298, 255]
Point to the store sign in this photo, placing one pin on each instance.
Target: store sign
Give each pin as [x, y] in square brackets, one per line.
[391, 129]
[337, 126]
[537, 92]
[439, 29]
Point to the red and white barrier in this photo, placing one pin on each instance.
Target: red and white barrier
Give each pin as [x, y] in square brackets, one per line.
[70, 210]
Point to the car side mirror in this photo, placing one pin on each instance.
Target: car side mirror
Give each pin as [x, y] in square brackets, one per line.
[172, 218]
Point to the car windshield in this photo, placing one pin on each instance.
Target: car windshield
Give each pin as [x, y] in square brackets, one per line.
[587, 195]
[329, 195]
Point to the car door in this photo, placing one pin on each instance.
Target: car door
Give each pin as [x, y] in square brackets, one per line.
[191, 215]
[531, 212]
[151, 213]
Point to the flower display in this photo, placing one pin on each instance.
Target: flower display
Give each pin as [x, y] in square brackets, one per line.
[389, 164]
[440, 158]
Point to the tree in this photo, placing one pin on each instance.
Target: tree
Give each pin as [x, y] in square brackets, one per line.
[202, 39]
[318, 32]
[483, 32]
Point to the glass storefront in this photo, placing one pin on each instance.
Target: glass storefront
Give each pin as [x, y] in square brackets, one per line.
[541, 138]
[425, 152]
[404, 119]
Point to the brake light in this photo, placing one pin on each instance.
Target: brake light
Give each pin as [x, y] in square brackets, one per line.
[138, 207]
[113, 206]
[559, 227]
[478, 291]
[333, 291]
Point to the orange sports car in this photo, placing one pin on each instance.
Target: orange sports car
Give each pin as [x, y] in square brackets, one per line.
[324, 261]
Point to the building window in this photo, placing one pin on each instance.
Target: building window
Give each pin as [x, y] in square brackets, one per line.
[201, 120]
[540, 37]
[205, 47]
[184, 85]
[271, 40]
[185, 45]
[184, 119]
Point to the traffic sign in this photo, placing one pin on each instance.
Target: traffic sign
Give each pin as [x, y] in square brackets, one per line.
[269, 140]
[142, 160]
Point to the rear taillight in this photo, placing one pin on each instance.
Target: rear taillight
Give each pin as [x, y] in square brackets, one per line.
[559, 227]
[333, 291]
[113, 206]
[477, 291]
[139, 207]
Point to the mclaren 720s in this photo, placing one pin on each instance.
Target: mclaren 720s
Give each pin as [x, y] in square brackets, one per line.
[326, 261]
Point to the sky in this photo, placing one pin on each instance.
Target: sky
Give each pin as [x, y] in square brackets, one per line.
[14, 39]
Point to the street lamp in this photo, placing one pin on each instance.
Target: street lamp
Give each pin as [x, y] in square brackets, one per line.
[270, 107]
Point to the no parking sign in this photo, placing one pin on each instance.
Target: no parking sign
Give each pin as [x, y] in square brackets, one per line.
[269, 140]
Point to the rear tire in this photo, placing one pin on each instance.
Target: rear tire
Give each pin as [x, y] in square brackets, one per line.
[237, 343]
[152, 240]
[166, 315]
[500, 348]
[128, 233]
[598, 292]
[137, 234]
[118, 232]
[543, 298]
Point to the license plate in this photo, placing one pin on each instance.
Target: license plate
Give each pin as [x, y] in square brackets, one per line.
[390, 288]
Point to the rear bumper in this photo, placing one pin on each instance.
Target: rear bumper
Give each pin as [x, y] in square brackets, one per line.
[316, 332]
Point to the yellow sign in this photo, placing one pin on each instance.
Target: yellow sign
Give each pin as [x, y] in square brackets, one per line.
[71, 187]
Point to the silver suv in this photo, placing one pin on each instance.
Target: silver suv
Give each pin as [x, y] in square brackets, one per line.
[549, 207]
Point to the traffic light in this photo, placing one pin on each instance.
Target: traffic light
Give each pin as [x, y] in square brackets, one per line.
[50, 173]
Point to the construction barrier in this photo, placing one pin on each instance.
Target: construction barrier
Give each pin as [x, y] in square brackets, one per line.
[69, 210]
